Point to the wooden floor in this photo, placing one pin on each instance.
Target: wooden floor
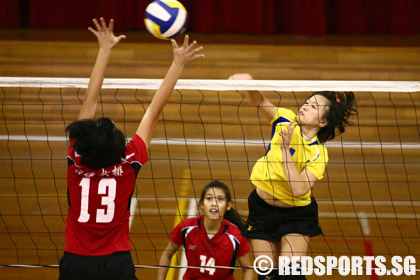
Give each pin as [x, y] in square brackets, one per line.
[374, 183]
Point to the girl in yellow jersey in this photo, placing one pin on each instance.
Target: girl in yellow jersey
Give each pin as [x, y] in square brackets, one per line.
[283, 214]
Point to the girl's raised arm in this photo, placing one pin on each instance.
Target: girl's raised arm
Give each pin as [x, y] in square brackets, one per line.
[257, 99]
[107, 40]
[182, 56]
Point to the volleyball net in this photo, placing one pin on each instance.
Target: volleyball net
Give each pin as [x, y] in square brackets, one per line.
[369, 200]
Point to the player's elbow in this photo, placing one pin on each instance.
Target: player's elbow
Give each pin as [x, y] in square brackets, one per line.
[165, 258]
[300, 189]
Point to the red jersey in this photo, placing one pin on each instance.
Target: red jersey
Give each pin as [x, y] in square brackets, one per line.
[99, 202]
[221, 250]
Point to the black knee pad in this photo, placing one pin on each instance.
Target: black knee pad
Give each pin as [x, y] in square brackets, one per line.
[271, 276]
[290, 277]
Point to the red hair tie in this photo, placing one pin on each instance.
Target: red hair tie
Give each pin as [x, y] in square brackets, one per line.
[338, 100]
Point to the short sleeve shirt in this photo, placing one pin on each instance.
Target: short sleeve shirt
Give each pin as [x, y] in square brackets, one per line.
[99, 202]
[268, 172]
[221, 250]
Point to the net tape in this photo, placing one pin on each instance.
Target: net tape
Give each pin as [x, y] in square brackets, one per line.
[260, 85]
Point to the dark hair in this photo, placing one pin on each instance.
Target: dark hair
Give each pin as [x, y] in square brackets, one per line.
[231, 215]
[99, 143]
[338, 112]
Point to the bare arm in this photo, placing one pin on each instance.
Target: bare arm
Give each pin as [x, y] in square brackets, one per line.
[301, 183]
[257, 99]
[165, 259]
[248, 274]
[107, 40]
[182, 56]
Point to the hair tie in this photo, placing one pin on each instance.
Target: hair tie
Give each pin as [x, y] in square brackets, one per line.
[338, 100]
[98, 123]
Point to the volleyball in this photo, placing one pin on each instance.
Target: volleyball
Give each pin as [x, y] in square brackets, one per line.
[165, 19]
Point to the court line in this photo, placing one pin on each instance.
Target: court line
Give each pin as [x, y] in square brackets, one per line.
[226, 142]
[322, 214]
[367, 244]
[335, 202]
[402, 203]
[133, 209]
[184, 190]
[192, 212]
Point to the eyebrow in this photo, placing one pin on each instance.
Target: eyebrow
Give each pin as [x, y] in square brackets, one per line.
[220, 196]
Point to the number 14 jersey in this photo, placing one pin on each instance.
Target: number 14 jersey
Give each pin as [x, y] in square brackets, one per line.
[99, 202]
[221, 250]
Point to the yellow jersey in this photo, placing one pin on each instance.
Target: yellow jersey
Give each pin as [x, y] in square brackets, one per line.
[268, 172]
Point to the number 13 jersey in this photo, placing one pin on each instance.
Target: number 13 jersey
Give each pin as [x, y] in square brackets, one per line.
[99, 202]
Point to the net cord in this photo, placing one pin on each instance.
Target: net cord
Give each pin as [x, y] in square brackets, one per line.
[260, 85]
[168, 266]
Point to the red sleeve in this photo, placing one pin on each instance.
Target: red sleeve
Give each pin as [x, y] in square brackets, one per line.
[73, 155]
[70, 152]
[176, 234]
[244, 247]
[136, 150]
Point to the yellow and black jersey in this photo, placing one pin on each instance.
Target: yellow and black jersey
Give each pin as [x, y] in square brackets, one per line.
[268, 172]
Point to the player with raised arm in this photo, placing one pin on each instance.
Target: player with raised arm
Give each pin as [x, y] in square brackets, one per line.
[283, 214]
[102, 171]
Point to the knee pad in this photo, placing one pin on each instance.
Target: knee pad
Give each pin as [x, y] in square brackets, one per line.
[290, 277]
[299, 276]
[271, 276]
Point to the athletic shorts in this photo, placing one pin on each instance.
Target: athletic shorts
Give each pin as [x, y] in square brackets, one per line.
[271, 223]
[115, 266]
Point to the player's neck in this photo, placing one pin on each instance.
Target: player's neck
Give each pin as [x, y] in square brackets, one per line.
[212, 226]
[309, 132]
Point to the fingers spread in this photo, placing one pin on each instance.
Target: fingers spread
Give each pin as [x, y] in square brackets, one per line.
[111, 25]
[174, 44]
[95, 22]
[103, 23]
[192, 44]
[119, 38]
[93, 31]
[186, 38]
[200, 48]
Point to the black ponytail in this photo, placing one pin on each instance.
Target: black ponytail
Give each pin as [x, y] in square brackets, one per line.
[99, 143]
[338, 113]
[231, 215]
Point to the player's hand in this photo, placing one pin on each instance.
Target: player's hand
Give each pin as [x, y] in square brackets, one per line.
[187, 52]
[105, 34]
[241, 76]
[286, 135]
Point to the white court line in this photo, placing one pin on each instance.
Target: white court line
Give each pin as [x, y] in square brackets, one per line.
[225, 142]
[364, 223]
[192, 212]
[133, 209]
[377, 215]
[335, 202]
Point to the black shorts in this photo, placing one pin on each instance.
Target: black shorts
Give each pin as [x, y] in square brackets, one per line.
[115, 266]
[271, 223]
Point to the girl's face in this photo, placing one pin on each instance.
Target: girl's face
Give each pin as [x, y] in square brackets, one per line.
[313, 111]
[215, 204]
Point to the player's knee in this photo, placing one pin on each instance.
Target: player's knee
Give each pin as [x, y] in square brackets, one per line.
[290, 277]
[296, 275]
[271, 276]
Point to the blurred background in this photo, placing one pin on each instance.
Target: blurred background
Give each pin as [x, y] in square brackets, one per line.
[271, 39]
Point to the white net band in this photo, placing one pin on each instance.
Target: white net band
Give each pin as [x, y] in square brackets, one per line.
[260, 85]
